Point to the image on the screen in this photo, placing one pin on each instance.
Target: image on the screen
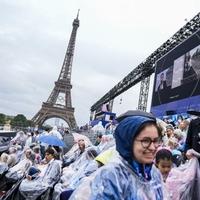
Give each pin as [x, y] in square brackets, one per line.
[191, 65]
[163, 80]
[186, 68]
[178, 70]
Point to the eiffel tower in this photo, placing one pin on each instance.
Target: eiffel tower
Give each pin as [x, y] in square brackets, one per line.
[59, 103]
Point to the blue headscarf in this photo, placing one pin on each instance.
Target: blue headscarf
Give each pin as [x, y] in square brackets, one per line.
[125, 134]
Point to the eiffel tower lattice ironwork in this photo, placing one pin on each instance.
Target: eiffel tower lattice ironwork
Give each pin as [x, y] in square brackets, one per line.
[59, 103]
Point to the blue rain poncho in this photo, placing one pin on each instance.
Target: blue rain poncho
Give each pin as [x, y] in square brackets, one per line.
[127, 179]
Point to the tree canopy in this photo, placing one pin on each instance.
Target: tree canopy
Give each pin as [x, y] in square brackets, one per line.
[20, 121]
[2, 119]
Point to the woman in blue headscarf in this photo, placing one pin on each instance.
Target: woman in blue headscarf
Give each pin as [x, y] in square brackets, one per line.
[133, 177]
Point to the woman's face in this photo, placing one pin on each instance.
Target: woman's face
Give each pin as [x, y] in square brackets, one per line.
[169, 132]
[28, 153]
[144, 153]
[81, 145]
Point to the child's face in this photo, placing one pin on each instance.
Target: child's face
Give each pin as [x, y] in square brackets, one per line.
[164, 166]
[169, 132]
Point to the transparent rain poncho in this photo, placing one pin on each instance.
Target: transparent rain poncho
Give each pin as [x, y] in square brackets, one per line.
[56, 133]
[84, 158]
[83, 189]
[20, 138]
[17, 172]
[95, 187]
[118, 181]
[74, 153]
[78, 137]
[183, 182]
[32, 189]
[106, 142]
[87, 167]
[3, 168]
[71, 151]
[72, 176]
[98, 128]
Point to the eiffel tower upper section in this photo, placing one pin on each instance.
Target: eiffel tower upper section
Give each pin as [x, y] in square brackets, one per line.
[59, 103]
[64, 78]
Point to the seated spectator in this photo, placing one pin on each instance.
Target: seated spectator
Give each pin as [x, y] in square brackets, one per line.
[38, 157]
[20, 138]
[4, 158]
[3, 163]
[98, 128]
[36, 135]
[170, 131]
[29, 140]
[16, 172]
[164, 162]
[108, 156]
[183, 126]
[32, 188]
[68, 140]
[72, 176]
[178, 134]
[76, 154]
[107, 141]
[11, 158]
[56, 133]
[19, 152]
[98, 140]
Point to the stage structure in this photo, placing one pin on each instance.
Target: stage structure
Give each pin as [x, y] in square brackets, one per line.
[177, 79]
[59, 103]
[147, 67]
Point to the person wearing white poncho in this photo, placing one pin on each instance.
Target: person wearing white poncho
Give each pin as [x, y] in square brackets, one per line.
[56, 133]
[32, 189]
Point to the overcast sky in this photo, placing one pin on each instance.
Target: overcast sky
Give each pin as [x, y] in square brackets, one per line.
[113, 38]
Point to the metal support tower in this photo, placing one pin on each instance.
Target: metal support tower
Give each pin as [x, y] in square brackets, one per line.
[144, 91]
[111, 104]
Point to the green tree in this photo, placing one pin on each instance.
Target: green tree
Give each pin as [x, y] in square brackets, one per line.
[9, 118]
[30, 123]
[2, 119]
[20, 121]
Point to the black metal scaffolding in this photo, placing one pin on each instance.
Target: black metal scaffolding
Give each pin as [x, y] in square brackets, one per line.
[147, 67]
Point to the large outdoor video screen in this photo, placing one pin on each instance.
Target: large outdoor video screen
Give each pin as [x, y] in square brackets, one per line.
[177, 79]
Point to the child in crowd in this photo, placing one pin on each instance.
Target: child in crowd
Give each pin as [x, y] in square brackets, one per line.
[38, 157]
[164, 162]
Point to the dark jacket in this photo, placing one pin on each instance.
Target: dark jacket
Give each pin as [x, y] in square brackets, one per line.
[193, 136]
[163, 85]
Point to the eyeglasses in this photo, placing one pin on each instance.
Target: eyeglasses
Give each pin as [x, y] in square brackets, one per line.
[81, 140]
[146, 142]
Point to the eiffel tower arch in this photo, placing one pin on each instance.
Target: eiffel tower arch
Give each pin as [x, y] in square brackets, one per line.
[59, 103]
